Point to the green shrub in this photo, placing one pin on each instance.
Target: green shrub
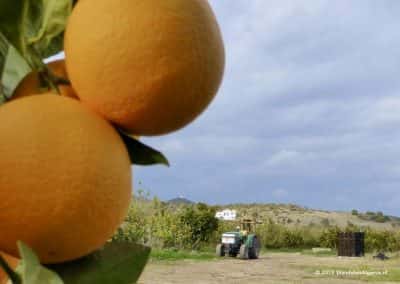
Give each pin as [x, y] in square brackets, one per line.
[201, 221]
[325, 222]
[292, 239]
[186, 227]
[134, 227]
[328, 237]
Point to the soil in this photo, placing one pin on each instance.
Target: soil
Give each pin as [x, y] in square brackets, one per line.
[274, 268]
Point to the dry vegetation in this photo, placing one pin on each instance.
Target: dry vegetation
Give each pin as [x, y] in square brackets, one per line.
[297, 216]
[183, 226]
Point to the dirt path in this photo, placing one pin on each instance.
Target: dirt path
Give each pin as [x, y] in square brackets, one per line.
[274, 268]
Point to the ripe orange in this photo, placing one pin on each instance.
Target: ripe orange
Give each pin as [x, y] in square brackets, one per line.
[65, 183]
[30, 84]
[151, 67]
[12, 262]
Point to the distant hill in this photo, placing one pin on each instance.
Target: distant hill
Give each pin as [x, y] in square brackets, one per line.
[296, 216]
[292, 215]
[180, 200]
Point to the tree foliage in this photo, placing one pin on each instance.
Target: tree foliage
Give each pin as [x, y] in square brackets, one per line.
[163, 225]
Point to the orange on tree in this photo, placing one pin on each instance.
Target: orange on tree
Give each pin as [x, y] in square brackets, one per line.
[150, 67]
[65, 183]
[12, 262]
[31, 84]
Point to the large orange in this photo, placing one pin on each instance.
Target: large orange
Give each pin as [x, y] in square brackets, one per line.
[65, 181]
[151, 66]
[12, 262]
[30, 85]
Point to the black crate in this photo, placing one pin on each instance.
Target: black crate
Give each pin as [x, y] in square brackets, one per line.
[350, 244]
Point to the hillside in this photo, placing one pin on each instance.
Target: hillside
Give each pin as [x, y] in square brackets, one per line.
[180, 200]
[294, 215]
[183, 226]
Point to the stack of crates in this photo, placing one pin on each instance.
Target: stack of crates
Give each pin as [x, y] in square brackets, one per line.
[350, 244]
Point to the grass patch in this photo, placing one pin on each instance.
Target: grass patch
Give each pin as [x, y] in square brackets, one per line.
[283, 250]
[175, 255]
[319, 253]
[302, 251]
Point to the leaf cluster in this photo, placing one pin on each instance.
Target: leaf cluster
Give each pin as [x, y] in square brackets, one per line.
[114, 263]
[30, 31]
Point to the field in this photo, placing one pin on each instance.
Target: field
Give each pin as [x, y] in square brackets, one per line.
[183, 237]
[273, 267]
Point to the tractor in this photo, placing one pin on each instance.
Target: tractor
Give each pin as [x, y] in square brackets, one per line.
[243, 242]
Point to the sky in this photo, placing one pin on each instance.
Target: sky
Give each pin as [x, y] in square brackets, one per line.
[308, 112]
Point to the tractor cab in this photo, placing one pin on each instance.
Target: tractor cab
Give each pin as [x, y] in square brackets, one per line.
[243, 242]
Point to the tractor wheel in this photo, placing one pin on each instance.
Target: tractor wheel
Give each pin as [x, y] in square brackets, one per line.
[244, 251]
[220, 250]
[254, 251]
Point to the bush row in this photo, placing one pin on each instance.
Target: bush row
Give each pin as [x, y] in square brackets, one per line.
[278, 236]
[159, 225]
[162, 225]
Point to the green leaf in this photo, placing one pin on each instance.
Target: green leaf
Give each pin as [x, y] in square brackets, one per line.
[14, 277]
[35, 24]
[141, 154]
[13, 68]
[31, 271]
[54, 47]
[45, 24]
[31, 30]
[11, 19]
[117, 262]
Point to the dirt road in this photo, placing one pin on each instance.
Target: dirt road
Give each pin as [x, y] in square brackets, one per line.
[274, 268]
